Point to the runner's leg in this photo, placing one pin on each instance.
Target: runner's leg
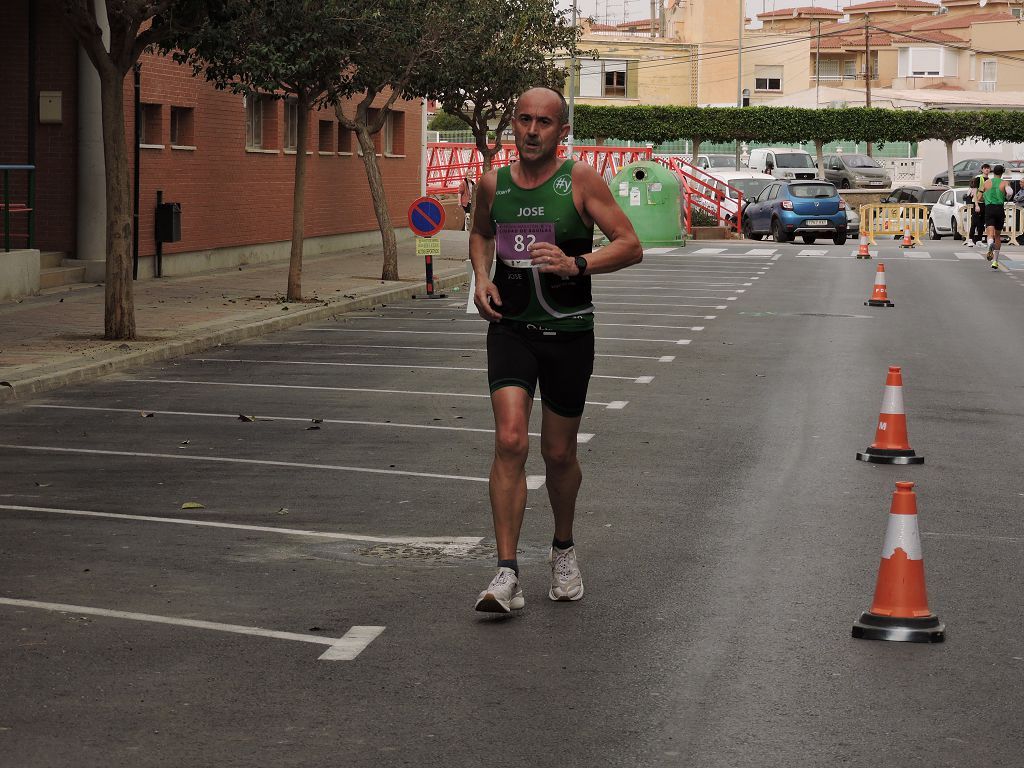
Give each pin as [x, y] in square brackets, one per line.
[558, 447]
[512, 406]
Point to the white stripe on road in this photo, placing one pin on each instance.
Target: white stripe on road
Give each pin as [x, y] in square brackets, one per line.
[257, 462]
[971, 256]
[439, 540]
[659, 304]
[812, 252]
[673, 327]
[345, 648]
[655, 314]
[651, 341]
[410, 366]
[760, 252]
[327, 389]
[710, 250]
[918, 255]
[582, 437]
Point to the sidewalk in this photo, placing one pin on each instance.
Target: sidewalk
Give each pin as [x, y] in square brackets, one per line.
[56, 339]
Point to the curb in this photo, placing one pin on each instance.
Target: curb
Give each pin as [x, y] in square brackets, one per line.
[113, 362]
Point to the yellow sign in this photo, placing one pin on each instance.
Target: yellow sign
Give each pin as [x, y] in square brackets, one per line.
[428, 246]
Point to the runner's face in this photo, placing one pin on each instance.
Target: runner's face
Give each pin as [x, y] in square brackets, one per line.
[538, 126]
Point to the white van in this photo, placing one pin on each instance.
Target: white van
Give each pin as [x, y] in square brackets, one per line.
[783, 163]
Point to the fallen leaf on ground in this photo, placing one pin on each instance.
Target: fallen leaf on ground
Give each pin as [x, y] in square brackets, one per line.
[312, 427]
[243, 417]
[317, 421]
[147, 415]
[283, 511]
[193, 505]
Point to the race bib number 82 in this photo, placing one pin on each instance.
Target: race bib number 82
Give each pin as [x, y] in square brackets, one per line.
[513, 241]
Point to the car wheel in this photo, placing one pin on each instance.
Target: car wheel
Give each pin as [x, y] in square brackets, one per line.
[748, 231]
[778, 233]
[809, 239]
[845, 184]
[933, 234]
[955, 230]
[840, 239]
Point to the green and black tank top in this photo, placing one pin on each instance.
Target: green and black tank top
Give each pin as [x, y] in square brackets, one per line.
[545, 214]
[994, 195]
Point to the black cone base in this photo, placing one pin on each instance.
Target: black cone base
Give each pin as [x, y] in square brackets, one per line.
[927, 629]
[879, 456]
[877, 303]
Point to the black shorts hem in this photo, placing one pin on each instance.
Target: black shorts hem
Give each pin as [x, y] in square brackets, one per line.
[502, 383]
[565, 413]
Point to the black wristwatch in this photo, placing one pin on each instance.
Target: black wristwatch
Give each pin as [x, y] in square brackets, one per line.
[581, 265]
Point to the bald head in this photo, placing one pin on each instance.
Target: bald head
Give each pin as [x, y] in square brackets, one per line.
[545, 98]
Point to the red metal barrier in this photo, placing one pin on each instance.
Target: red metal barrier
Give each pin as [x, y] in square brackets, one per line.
[702, 190]
[448, 164]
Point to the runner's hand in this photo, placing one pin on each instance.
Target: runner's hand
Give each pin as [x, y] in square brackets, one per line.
[551, 258]
[486, 298]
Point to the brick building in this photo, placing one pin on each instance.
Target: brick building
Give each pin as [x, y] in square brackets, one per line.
[229, 161]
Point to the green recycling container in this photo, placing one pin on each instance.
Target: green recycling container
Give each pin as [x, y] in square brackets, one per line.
[649, 194]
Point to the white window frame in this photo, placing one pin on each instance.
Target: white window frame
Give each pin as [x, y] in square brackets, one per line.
[985, 64]
[254, 122]
[974, 66]
[764, 74]
[291, 125]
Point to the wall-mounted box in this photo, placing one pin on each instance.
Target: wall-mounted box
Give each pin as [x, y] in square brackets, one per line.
[50, 107]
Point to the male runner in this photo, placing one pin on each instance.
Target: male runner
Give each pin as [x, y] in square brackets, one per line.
[977, 234]
[995, 191]
[538, 215]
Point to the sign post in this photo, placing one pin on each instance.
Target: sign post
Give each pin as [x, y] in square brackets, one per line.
[426, 219]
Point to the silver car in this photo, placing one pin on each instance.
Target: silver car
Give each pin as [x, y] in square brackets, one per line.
[849, 171]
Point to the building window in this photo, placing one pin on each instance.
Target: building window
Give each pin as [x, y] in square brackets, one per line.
[920, 62]
[1017, 12]
[974, 66]
[254, 121]
[152, 125]
[291, 124]
[849, 69]
[394, 134]
[182, 126]
[607, 79]
[326, 136]
[344, 140]
[768, 78]
[614, 79]
[988, 71]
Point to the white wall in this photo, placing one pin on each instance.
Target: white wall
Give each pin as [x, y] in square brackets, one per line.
[933, 154]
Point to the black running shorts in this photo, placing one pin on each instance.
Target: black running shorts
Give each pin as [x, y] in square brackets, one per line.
[519, 356]
[995, 216]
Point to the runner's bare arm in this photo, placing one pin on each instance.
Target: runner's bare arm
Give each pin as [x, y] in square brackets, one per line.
[596, 205]
[481, 249]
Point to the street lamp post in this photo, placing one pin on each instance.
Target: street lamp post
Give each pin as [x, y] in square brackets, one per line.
[739, 74]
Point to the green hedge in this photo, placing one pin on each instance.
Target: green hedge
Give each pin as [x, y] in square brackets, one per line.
[791, 124]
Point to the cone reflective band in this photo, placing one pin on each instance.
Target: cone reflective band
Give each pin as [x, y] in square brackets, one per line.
[908, 242]
[899, 610]
[891, 446]
[879, 292]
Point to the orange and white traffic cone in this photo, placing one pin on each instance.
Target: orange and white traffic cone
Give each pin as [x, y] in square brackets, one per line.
[908, 240]
[879, 294]
[862, 250]
[899, 610]
[891, 446]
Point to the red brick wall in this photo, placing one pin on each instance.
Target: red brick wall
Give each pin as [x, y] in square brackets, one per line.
[56, 144]
[230, 196]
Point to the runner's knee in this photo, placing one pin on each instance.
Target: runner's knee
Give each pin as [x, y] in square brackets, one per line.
[512, 443]
[558, 455]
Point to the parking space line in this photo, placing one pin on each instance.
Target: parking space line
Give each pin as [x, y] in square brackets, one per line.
[661, 296]
[345, 648]
[256, 462]
[327, 389]
[656, 314]
[446, 541]
[652, 341]
[649, 304]
[334, 364]
[481, 335]
[582, 437]
[637, 325]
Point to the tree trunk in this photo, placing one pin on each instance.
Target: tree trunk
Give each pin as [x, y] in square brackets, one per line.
[119, 304]
[951, 180]
[696, 152]
[298, 203]
[819, 149]
[380, 204]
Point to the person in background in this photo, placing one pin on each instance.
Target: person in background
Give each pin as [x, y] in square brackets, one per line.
[466, 197]
[977, 233]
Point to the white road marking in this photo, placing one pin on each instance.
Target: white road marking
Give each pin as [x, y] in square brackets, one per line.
[650, 341]
[332, 364]
[439, 540]
[655, 251]
[666, 358]
[233, 460]
[617, 405]
[345, 648]
[760, 252]
[970, 256]
[975, 537]
[776, 257]
[328, 389]
[719, 288]
[655, 314]
[644, 379]
[637, 325]
[812, 252]
[802, 256]
[582, 437]
[658, 304]
[715, 251]
[360, 346]
[918, 255]
[533, 482]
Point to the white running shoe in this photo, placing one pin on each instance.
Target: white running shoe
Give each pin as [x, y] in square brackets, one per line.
[503, 594]
[566, 581]
[970, 243]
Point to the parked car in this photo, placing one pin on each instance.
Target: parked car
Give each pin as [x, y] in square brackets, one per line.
[915, 194]
[848, 171]
[714, 163]
[732, 184]
[785, 209]
[783, 163]
[964, 171]
[944, 217]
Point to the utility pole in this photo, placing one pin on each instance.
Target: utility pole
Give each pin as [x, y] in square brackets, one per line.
[572, 88]
[867, 72]
[817, 67]
[654, 18]
[739, 73]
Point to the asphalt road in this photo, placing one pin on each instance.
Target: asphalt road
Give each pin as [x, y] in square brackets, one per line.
[727, 536]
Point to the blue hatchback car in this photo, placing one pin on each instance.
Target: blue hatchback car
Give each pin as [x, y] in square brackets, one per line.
[785, 209]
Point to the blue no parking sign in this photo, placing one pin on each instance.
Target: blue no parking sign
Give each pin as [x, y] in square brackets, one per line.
[426, 216]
